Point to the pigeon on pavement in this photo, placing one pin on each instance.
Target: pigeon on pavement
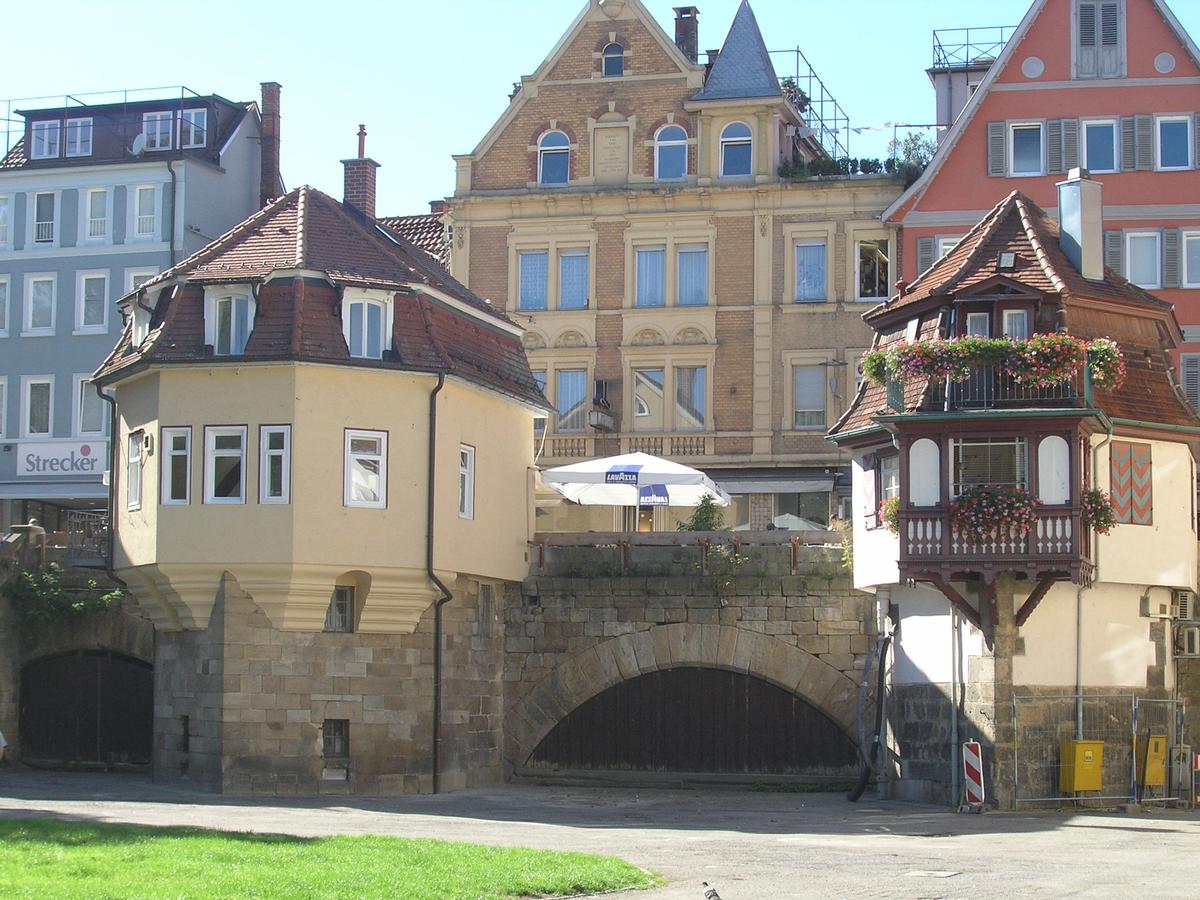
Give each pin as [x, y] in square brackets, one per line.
[710, 893]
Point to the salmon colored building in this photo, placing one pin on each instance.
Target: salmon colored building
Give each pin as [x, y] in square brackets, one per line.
[1112, 86]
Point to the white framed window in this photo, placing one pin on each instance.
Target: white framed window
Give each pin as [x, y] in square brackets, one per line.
[228, 320]
[1143, 258]
[1099, 146]
[176, 450]
[3, 406]
[889, 476]
[554, 158]
[134, 447]
[367, 325]
[808, 398]
[5, 284]
[946, 244]
[737, 150]
[365, 482]
[339, 618]
[93, 220]
[88, 417]
[1026, 149]
[1173, 139]
[651, 276]
[135, 278]
[614, 61]
[466, 481]
[156, 126]
[873, 269]
[533, 274]
[5, 220]
[1190, 241]
[145, 212]
[47, 140]
[224, 464]
[37, 405]
[573, 279]
[649, 399]
[193, 128]
[671, 154]
[1015, 324]
[275, 464]
[691, 398]
[811, 284]
[79, 137]
[45, 217]
[571, 399]
[988, 461]
[979, 324]
[691, 275]
[91, 302]
[40, 301]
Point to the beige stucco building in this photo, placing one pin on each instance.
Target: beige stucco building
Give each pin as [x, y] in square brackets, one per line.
[679, 297]
[322, 440]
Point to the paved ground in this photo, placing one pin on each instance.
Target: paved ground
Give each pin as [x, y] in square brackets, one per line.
[748, 845]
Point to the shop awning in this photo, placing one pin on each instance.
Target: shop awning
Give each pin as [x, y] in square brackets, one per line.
[50, 490]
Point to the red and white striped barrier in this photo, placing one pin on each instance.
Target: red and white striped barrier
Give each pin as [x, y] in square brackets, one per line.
[973, 772]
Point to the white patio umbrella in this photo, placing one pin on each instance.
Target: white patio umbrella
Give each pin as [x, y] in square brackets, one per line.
[633, 479]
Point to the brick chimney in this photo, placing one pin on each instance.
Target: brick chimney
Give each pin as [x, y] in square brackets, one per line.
[687, 33]
[268, 186]
[359, 189]
[437, 207]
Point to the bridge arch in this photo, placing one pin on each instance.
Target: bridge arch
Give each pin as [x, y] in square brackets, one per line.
[678, 645]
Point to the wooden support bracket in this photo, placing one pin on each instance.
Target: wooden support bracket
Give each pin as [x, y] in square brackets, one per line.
[1035, 597]
[958, 600]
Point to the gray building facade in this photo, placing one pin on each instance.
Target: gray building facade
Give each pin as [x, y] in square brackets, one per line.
[95, 198]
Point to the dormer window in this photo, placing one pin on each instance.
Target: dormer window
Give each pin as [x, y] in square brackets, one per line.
[228, 320]
[193, 128]
[156, 126]
[670, 154]
[554, 158]
[79, 137]
[367, 325]
[614, 61]
[46, 140]
[737, 145]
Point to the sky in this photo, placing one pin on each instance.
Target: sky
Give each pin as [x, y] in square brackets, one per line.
[430, 78]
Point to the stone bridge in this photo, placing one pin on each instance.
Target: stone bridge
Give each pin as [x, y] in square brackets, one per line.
[599, 617]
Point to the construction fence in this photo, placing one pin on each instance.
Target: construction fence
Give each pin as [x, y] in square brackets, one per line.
[1100, 747]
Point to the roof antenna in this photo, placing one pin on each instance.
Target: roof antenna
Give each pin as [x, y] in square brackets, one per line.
[362, 141]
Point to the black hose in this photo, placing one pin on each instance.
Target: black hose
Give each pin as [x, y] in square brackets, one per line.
[871, 762]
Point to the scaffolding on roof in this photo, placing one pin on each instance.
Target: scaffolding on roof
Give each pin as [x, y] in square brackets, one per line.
[823, 114]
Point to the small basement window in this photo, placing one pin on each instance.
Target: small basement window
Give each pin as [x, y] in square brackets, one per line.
[335, 735]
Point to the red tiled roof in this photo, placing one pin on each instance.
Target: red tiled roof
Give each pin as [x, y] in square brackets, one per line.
[306, 232]
[425, 232]
[15, 157]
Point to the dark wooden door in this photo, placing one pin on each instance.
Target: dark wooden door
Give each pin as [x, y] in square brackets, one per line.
[87, 706]
[698, 720]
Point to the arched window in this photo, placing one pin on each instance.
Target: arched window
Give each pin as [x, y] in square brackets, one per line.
[614, 61]
[554, 158]
[736, 150]
[670, 154]
[365, 326]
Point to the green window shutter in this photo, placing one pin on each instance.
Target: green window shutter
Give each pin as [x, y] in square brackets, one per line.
[1070, 144]
[1128, 144]
[926, 247]
[1171, 242]
[1054, 145]
[1114, 251]
[997, 163]
[1144, 126]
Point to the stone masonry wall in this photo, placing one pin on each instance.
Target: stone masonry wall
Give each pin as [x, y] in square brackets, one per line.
[9, 673]
[256, 699]
[587, 611]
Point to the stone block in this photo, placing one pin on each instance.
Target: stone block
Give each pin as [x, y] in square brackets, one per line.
[827, 613]
[838, 627]
[754, 613]
[813, 643]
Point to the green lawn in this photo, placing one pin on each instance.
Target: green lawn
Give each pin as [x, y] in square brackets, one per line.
[44, 858]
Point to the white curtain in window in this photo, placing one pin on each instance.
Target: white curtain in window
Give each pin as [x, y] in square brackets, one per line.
[572, 414]
[573, 280]
[693, 276]
[690, 397]
[42, 313]
[93, 301]
[533, 281]
[651, 272]
[810, 271]
[809, 396]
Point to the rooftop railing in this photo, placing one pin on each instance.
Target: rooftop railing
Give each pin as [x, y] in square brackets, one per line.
[829, 123]
[961, 48]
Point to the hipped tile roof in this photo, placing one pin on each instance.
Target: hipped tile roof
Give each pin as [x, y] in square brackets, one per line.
[425, 232]
[320, 246]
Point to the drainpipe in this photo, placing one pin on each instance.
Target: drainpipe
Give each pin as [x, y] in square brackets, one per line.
[113, 433]
[1079, 591]
[954, 667]
[446, 597]
[174, 210]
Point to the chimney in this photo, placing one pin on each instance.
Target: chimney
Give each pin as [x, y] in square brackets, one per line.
[1081, 223]
[437, 207]
[359, 189]
[687, 33]
[268, 186]
[712, 58]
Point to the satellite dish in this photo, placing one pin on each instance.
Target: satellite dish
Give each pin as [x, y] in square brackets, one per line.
[139, 145]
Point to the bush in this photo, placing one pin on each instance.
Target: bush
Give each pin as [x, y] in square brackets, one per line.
[38, 596]
[707, 516]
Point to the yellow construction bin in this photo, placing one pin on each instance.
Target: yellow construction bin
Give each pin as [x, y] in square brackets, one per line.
[1081, 766]
[1152, 760]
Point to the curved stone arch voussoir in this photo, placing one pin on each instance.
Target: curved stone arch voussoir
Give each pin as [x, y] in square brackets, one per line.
[674, 646]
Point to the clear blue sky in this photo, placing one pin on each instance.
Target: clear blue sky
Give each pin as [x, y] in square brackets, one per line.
[429, 78]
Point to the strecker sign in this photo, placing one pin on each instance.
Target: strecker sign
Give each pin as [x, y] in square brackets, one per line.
[49, 459]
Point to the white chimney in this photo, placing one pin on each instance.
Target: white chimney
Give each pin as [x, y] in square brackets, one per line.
[1081, 223]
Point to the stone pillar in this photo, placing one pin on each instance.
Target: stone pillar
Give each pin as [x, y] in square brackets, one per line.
[1004, 646]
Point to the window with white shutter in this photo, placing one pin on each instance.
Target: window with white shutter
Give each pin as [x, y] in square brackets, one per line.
[1189, 364]
[1099, 38]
